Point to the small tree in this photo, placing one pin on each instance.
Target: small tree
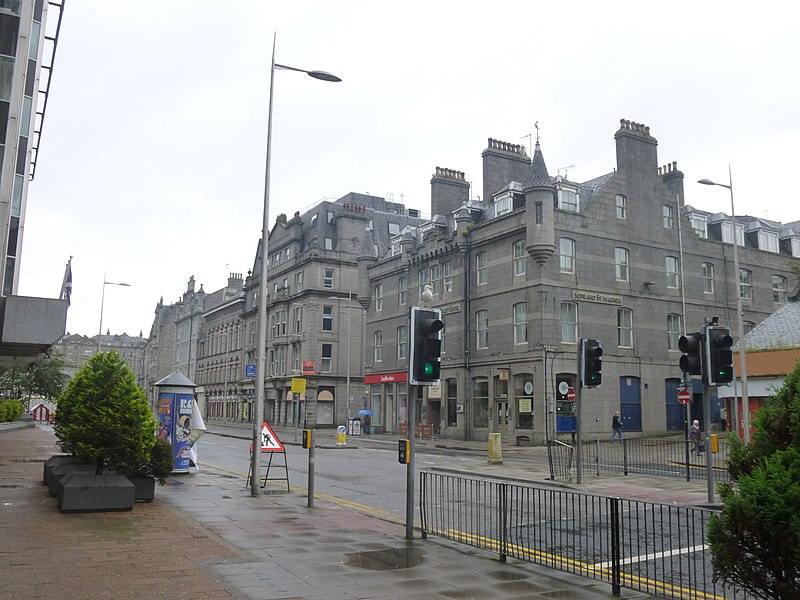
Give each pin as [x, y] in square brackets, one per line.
[104, 417]
[755, 541]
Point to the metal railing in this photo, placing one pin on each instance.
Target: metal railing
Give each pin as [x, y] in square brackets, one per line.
[659, 549]
[671, 458]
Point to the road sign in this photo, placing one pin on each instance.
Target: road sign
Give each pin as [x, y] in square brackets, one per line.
[684, 396]
[269, 441]
[571, 394]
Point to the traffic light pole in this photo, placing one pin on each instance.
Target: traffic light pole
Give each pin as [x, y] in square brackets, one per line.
[411, 409]
[578, 411]
[707, 427]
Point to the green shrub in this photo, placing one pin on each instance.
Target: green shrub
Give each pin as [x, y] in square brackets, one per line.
[103, 416]
[10, 410]
[755, 541]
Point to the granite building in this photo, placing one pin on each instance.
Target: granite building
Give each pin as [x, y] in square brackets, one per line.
[541, 262]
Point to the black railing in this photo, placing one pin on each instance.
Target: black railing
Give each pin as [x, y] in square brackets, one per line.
[659, 549]
[672, 458]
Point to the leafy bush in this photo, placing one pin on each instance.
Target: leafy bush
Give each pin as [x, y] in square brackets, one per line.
[10, 410]
[755, 541]
[104, 417]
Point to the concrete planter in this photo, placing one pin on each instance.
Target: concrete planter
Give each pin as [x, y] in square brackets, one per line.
[144, 488]
[53, 462]
[87, 492]
[63, 469]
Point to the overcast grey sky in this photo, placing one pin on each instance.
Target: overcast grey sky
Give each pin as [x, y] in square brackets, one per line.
[151, 166]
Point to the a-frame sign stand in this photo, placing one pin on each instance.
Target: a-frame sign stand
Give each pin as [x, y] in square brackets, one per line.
[270, 444]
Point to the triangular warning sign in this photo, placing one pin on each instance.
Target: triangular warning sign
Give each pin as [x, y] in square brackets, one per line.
[270, 441]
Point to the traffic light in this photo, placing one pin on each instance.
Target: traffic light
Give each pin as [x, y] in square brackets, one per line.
[719, 356]
[592, 363]
[691, 345]
[424, 361]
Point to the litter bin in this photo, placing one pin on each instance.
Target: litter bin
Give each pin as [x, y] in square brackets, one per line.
[354, 426]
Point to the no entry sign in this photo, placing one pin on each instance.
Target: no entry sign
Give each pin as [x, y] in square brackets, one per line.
[684, 397]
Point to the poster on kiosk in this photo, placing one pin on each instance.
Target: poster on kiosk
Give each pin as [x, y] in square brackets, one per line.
[175, 397]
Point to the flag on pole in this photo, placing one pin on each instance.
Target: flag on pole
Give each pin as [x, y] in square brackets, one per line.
[66, 286]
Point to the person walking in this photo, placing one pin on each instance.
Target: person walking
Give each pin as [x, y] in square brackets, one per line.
[694, 436]
[616, 427]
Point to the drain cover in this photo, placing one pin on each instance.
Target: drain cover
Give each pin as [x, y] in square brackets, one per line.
[386, 560]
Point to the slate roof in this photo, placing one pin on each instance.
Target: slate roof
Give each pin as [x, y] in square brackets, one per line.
[781, 330]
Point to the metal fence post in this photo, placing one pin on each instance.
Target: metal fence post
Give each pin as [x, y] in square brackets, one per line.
[616, 537]
[597, 457]
[503, 519]
[625, 456]
[423, 507]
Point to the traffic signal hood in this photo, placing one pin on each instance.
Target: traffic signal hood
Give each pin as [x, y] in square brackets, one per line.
[691, 345]
[426, 345]
[719, 355]
[592, 363]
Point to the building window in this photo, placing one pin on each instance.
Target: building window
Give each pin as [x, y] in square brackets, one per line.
[746, 284]
[298, 319]
[728, 229]
[379, 297]
[667, 214]
[622, 206]
[502, 205]
[480, 400]
[480, 268]
[521, 323]
[394, 229]
[708, 278]
[327, 358]
[327, 317]
[296, 358]
[625, 328]
[402, 290]
[621, 264]
[698, 223]
[673, 330]
[298, 282]
[482, 329]
[331, 217]
[567, 255]
[422, 280]
[377, 345]
[402, 342]
[768, 241]
[518, 251]
[328, 280]
[447, 276]
[778, 289]
[538, 213]
[672, 272]
[436, 281]
[569, 322]
[568, 200]
[748, 326]
[328, 243]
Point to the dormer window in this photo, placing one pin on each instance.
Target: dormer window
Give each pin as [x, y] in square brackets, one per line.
[727, 233]
[313, 220]
[396, 249]
[767, 240]
[699, 225]
[568, 199]
[394, 229]
[502, 205]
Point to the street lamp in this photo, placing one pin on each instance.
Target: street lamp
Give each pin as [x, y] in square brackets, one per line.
[102, 302]
[262, 284]
[742, 352]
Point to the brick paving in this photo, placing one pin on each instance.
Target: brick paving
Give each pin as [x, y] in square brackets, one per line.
[205, 537]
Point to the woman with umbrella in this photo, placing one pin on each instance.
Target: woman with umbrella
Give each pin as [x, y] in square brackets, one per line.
[367, 414]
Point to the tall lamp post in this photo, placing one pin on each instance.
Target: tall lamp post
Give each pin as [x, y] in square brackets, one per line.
[262, 284]
[102, 303]
[740, 318]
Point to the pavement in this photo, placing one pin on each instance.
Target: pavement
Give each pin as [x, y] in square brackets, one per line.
[206, 537]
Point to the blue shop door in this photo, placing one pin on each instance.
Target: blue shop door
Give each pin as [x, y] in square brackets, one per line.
[675, 410]
[630, 403]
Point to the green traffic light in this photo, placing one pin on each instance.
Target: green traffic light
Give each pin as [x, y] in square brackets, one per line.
[428, 369]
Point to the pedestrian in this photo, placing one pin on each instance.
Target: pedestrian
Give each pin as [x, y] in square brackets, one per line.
[367, 425]
[616, 427]
[694, 436]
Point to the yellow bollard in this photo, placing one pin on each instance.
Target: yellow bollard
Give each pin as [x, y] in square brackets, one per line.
[341, 436]
[495, 449]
